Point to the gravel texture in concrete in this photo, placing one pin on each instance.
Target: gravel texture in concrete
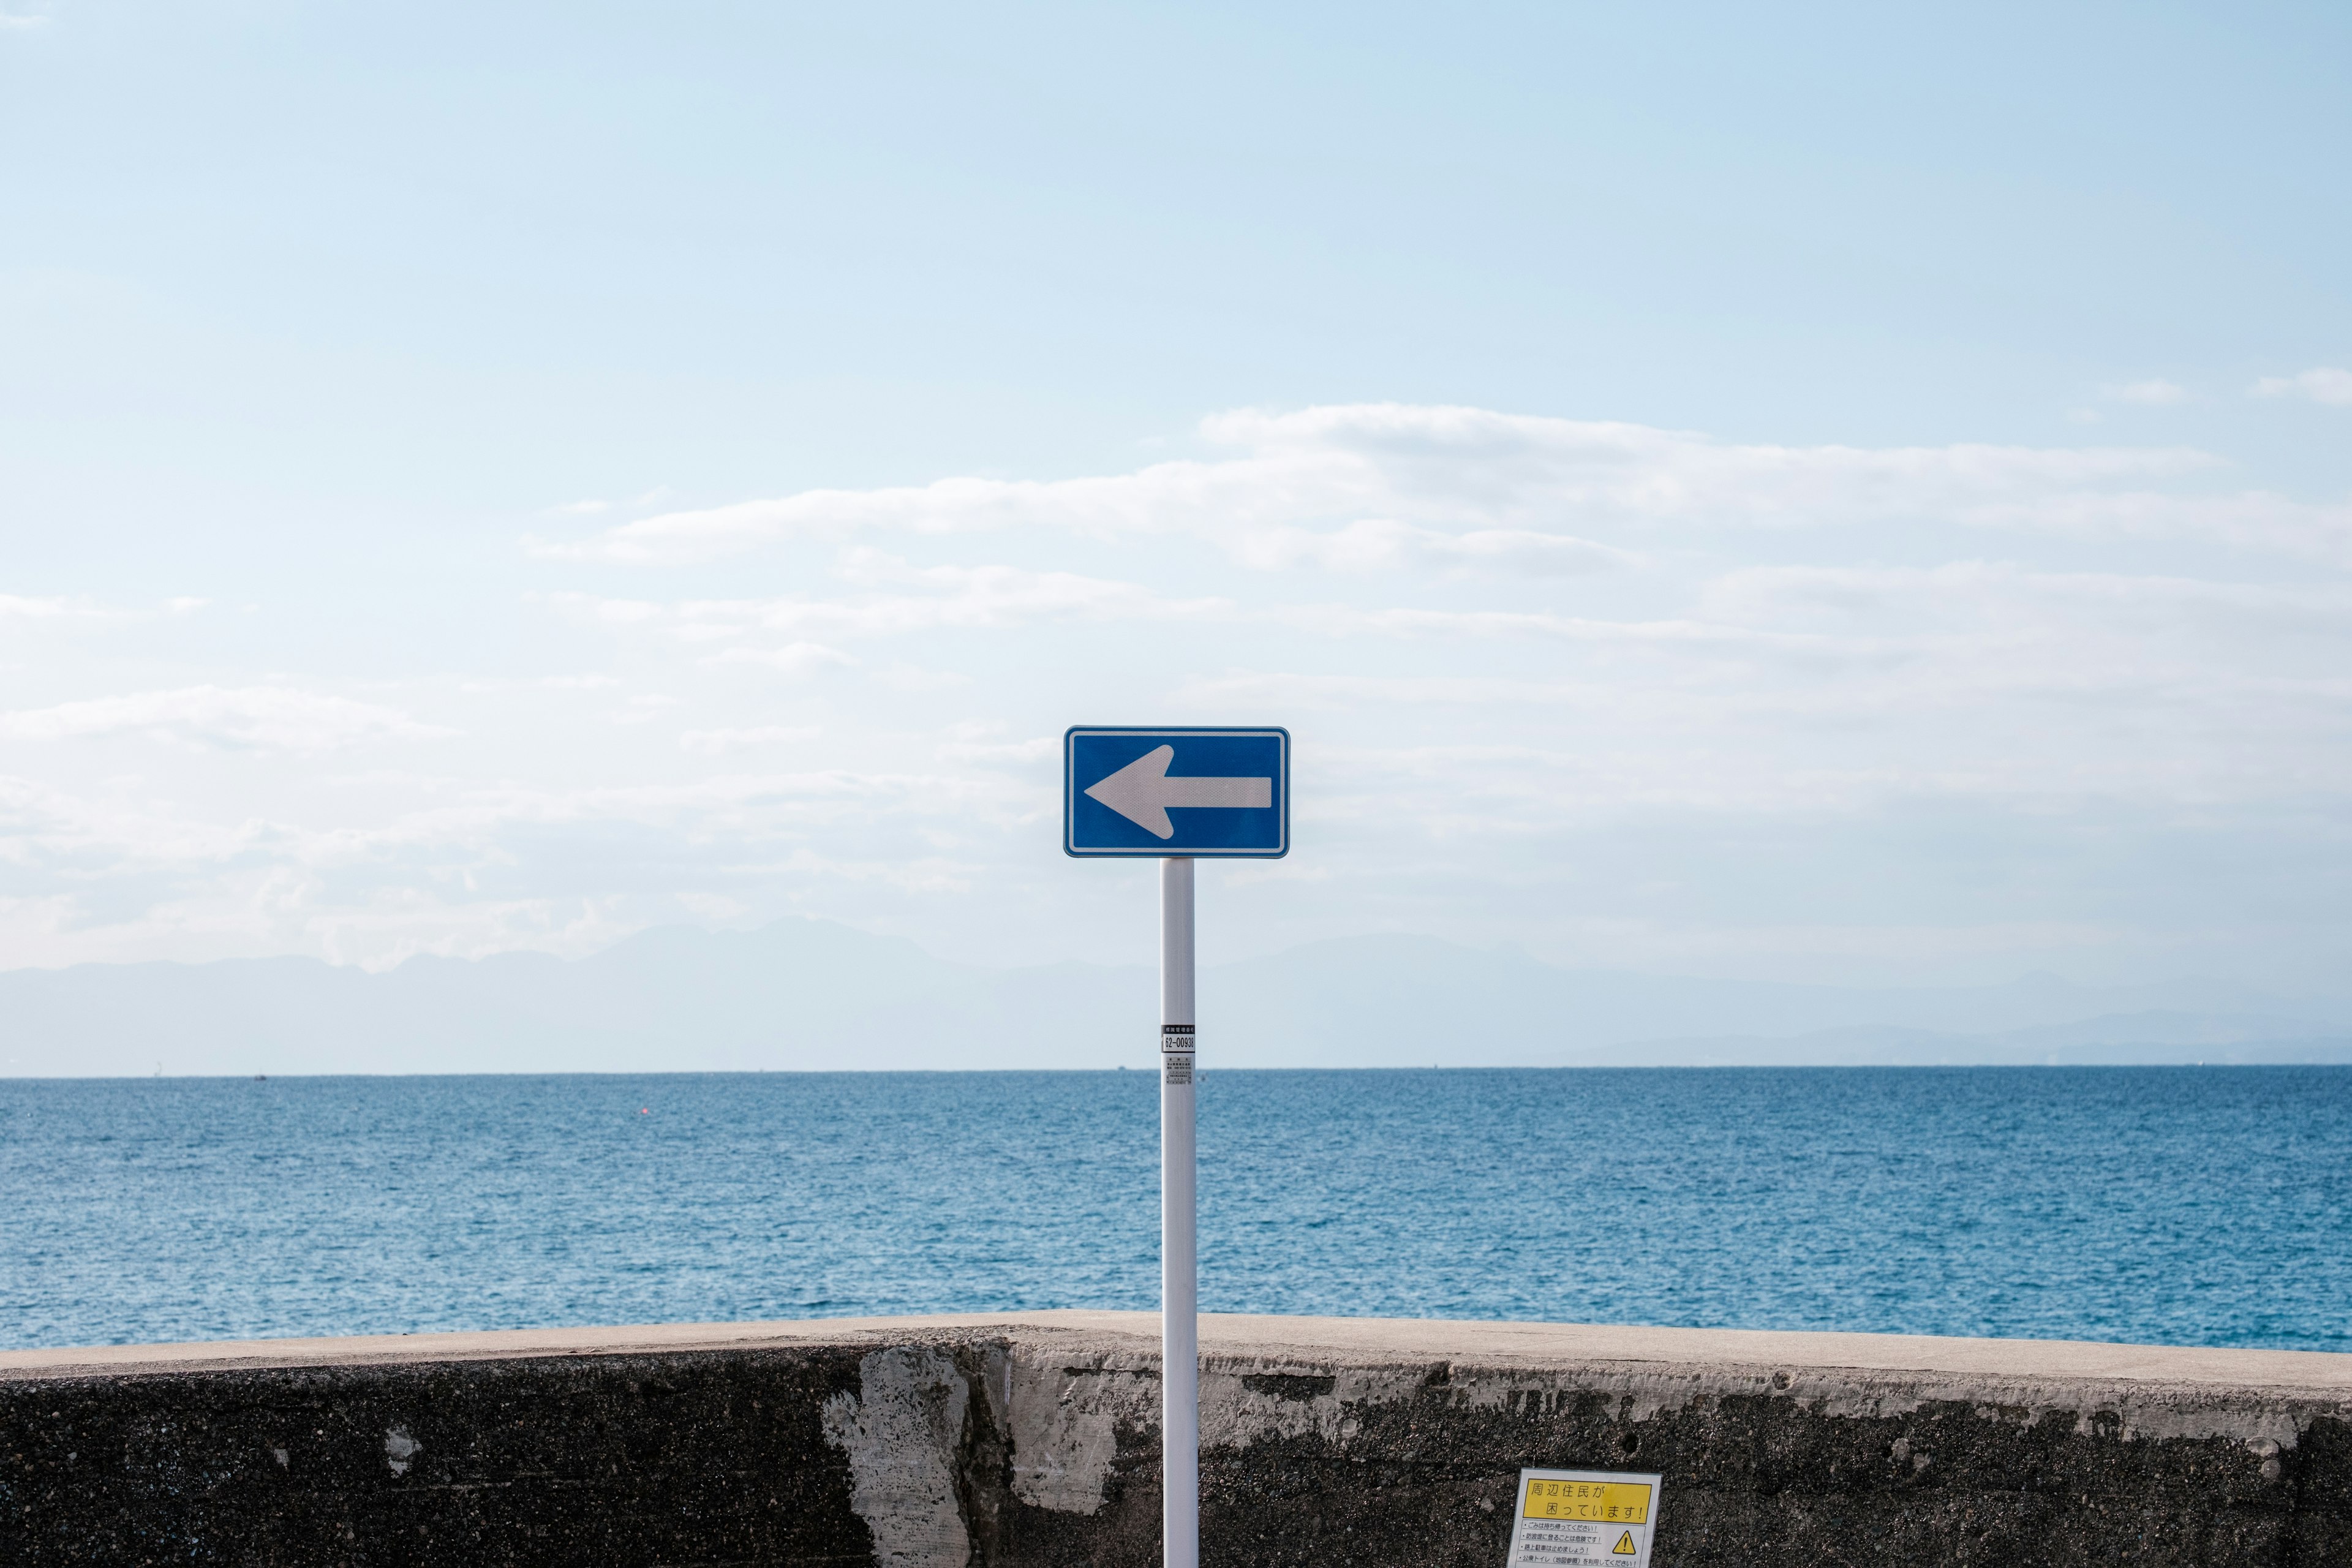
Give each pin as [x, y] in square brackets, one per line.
[1032, 1439]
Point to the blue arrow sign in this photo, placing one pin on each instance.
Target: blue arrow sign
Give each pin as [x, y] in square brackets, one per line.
[1198, 792]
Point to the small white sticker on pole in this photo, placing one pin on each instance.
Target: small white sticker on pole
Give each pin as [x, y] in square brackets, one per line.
[1176, 1052]
[1584, 1519]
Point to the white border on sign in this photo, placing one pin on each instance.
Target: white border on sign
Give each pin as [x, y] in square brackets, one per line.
[1544, 1542]
[1070, 790]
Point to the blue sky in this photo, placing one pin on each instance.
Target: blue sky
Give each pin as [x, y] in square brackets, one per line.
[1815, 491]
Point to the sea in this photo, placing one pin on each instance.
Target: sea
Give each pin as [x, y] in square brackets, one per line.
[2167, 1205]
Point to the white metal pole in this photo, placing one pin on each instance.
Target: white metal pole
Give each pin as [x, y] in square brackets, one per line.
[1180, 1344]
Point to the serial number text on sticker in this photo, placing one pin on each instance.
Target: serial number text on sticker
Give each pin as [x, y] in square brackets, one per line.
[1176, 1053]
[1583, 1519]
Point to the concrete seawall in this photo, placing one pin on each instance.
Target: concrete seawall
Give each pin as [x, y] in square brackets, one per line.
[1032, 1439]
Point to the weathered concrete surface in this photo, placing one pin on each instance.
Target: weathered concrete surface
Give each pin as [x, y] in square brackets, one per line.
[1031, 1440]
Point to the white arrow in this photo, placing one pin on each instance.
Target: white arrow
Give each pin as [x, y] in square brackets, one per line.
[1143, 792]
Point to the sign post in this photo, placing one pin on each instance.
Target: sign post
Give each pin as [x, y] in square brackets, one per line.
[1180, 1341]
[1178, 795]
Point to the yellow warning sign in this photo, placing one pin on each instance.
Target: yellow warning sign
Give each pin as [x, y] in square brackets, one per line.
[1612, 1502]
[1584, 1519]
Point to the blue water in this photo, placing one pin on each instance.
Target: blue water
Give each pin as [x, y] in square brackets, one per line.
[2164, 1205]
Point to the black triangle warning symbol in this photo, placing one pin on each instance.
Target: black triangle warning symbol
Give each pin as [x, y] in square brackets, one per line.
[1625, 1547]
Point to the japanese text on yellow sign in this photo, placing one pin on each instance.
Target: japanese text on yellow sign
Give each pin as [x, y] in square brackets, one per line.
[1613, 1502]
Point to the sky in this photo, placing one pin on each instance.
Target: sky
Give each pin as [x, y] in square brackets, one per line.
[1843, 493]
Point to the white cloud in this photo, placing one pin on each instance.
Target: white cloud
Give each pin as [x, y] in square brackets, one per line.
[1005, 598]
[594, 507]
[984, 597]
[1383, 487]
[271, 717]
[961, 598]
[2148, 391]
[486, 870]
[718, 743]
[61, 607]
[1780, 684]
[16, 607]
[2323, 385]
[644, 708]
[1370, 545]
[794, 658]
[914, 678]
[1038, 749]
[1494, 638]
[544, 683]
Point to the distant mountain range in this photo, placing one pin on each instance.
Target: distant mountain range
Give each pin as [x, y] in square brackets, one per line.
[804, 994]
